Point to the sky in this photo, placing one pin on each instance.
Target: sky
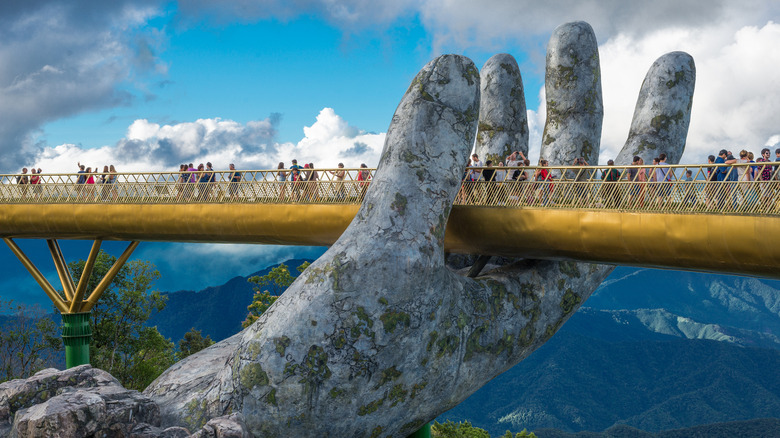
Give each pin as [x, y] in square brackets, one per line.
[147, 84]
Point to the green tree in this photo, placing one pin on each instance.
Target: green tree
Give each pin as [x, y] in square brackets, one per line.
[29, 341]
[121, 344]
[192, 342]
[523, 434]
[267, 290]
[449, 429]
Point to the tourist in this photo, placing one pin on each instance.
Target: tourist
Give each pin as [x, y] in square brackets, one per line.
[184, 177]
[295, 166]
[89, 190]
[580, 186]
[202, 178]
[690, 197]
[339, 175]
[313, 188]
[711, 190]
[23, 178]
[777, 160]
[364, 179]
[475, 173]
[542, 174]
[611, 193]
[235, 179]
[743, 176]
[35, 181]
[500, 174]
[112, 180]
[664, 176]
[82, 179]
[639, 177]
[281, 181]
[726, 175]
[297, 184]
[499, 177]
[104, 188]
[764, 174]
[211, 178]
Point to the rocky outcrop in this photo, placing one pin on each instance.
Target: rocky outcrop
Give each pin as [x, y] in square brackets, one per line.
[503, 122]
[85, 401]
[81, 401]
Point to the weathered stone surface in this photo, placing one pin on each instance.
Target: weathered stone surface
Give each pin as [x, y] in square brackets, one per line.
[378, 337]
[663, 110]
[573, 92]
[231, 426]
[503, 121]
[193, 376]
[78, 402]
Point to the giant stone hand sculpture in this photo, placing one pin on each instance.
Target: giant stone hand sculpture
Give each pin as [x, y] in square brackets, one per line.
[378, 337]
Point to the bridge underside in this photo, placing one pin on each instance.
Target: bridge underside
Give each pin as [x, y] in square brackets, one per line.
[739, 244]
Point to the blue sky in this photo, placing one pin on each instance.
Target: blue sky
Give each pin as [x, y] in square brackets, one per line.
[256, 82]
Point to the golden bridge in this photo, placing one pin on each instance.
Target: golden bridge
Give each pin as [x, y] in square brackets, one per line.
[677, 223]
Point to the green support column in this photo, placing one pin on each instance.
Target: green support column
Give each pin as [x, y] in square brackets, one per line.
[424, 432]
[76, 335]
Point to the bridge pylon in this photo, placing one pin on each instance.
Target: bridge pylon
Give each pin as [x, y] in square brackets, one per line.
[75, 309]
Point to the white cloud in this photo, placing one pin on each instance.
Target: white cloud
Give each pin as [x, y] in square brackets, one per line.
[151, 147]
[737, 95]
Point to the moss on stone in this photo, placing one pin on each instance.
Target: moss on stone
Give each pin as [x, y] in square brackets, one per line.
[463, 320]
[508, 68]
[447, 345]
[399, 204]
[416, 388]
[526, 337]
[336, 393]
[393, 318]
[376, 432]
[662, 121]
[389, 374]
[397, 395]
[340, 341]
[195, 413]
[569, 301]
[678, 76]
[281, 344]
[252, 375]
[371, 407]
[471, 75]
[382, 301]
[316, 363]
[271, 398]
[433, 336]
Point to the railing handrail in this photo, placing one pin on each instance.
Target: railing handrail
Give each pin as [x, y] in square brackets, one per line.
[565, 188]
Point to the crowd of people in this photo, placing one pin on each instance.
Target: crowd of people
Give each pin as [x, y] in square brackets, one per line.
[652, 184]
[299, 183]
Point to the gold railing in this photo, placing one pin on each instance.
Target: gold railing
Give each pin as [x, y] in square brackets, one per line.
[567, 187]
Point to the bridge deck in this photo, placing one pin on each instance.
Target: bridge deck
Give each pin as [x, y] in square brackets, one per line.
[722, 227]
